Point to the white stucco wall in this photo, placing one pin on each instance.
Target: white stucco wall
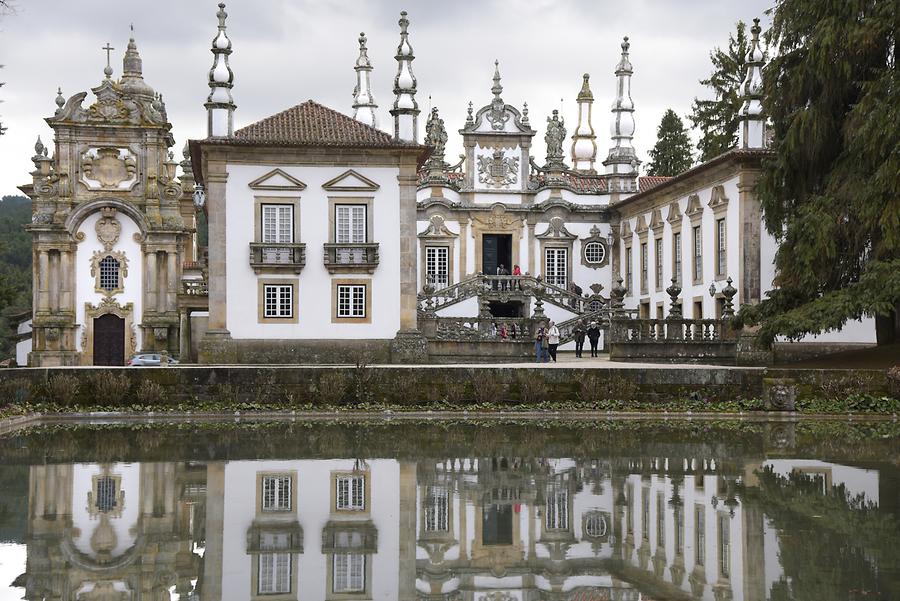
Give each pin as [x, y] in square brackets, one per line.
[312, 509]
[85, 282]
[314, 283]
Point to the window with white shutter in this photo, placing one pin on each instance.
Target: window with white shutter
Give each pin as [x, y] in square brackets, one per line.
[437, 266]
[349, 570]
[556, 261]
[350, 224]
[350, 493]
[276, 493]
[274, 576]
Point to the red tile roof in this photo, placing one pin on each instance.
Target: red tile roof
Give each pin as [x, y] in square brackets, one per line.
[312, 124]
[651, 181]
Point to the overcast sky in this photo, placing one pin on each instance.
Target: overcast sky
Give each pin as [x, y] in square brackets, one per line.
[287, 51]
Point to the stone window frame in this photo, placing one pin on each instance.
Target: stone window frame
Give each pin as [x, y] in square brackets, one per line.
[674, 219]
[94, 497]
[367, 201]
[720, 225]
[696, 253]
[544, 247]
[594, 238]
[644, 266]
[588, 518]
[261, 284]
[658, 254]
[699, 535]
[292, 201]
[260, 478]
[335, 283]
[435, 244]
[723, 545]
[426, 497]
[557, 236]
[116, 255]
[366, 593]
[367, 492]
[438, 234]
[629, 269]
[291, 595]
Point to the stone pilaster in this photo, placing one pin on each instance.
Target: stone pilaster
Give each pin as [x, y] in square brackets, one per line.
[215, 527]
[406, 589]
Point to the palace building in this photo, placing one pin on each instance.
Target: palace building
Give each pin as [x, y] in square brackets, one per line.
[329, 236]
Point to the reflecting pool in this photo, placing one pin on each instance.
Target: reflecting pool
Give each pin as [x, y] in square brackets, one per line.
[562, 511]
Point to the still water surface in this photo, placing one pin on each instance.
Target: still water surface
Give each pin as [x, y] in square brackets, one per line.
[614, 510]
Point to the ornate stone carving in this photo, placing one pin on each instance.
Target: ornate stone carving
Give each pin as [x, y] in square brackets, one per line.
[556, 230]
[436, 137]
[108, 228]
[108, 168]
[497, 170]
[555, 136]
[437, 228]
[122, 260]
[106, 305]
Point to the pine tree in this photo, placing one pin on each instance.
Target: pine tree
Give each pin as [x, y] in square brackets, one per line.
[672, 153]
[830, 191]
[717, 119]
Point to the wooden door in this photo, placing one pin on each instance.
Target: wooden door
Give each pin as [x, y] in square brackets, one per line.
[109, 340]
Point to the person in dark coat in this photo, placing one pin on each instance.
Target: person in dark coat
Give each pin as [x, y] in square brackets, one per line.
[593, 334]
[578, 333]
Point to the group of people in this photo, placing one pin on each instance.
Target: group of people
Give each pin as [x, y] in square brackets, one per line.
[546, 340]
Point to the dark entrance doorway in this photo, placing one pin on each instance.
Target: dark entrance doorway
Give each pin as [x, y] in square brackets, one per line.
[507, 309]
[496, 525]
[109, 340]
[496, 250]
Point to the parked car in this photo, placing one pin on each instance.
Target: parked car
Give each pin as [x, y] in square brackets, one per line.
[151, 359]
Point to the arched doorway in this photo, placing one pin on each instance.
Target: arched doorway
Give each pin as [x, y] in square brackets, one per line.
[109, 340]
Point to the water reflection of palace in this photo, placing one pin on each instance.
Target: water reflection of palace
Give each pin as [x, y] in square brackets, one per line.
[454, 529]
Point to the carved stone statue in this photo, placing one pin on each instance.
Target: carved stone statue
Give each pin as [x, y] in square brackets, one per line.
[555, 136]
[436, 137]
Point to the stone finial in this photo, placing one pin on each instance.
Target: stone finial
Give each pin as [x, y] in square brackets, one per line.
[364, 106]
[617, 295]
[728, 293]
[60, 101]
[622, 162]
[524, 113]
[674, 290]
[132, 66]
[752, 125]
[584, 144]
[405, 110]
[470, 120]
[38, 147]
[107, 70]
[497, 88]
[219, 104]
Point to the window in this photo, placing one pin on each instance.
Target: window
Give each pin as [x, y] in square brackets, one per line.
[106, 494]
[594, 252]
[724, 545]
[658, 265]
[644, 260]
[720, 247]
[109, 274]
[556, 266]
[351, 301]
[274, 575]
[676, 254]
[629, 508]
[645, 514]
[279, 300]
[349, 573]
[699, 535]
[437, 266]
[350, 224]
[595, 525]
[698, 254]
[557, 513]
[350, 493]
[436, 510]
[629, 269]
[277, 228]
[276, 493]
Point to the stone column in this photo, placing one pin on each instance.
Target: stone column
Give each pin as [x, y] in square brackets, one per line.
[151, 281]
[463, 247]
[67, 297]
[749, 233]
[184, 335]
[216, 178]
[171, 280]
[43, 304]
[55, 282]
[409, 345]
[406, 584]
[531, 266]
[215, 528]
[754, 557]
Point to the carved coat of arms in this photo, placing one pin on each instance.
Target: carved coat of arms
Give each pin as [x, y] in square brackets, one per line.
[498, 171]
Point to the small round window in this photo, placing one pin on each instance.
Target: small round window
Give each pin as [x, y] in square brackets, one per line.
[595, 525]
[594, 252]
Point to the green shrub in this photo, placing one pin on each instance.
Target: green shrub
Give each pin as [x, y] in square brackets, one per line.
[149, 393]
[108, 387]
[61, 389]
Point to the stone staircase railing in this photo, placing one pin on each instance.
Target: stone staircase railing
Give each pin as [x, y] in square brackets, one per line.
[502, 287]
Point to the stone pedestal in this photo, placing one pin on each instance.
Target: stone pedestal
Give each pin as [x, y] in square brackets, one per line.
[217, 347]
[409, 346]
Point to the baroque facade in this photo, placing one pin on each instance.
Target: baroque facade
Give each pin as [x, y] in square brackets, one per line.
[330, 236]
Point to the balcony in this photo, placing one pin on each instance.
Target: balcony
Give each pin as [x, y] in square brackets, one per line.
[351, 258]
[269, 257]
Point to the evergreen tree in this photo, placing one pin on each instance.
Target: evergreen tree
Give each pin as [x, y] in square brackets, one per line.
[717, 118]
[830, 191]
[672, 153]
